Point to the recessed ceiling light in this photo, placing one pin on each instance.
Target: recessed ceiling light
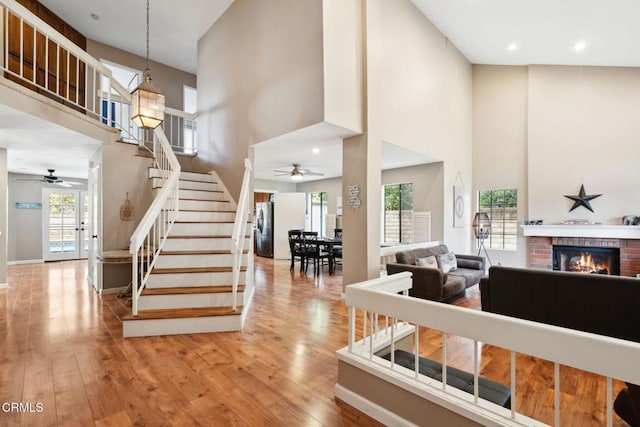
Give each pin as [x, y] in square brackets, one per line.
[315, 150]
[95, 16]
[579, 46]
[512, 46]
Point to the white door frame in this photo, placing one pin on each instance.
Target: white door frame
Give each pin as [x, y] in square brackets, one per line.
[94, 273]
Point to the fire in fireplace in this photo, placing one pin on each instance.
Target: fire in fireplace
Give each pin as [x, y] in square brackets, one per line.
[586, 259]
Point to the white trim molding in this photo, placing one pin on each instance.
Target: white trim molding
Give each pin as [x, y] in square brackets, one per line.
[370, 408]
[26, 261]
[4, 286]
[603, 231]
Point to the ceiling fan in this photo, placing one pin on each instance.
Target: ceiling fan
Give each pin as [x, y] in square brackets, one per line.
[297, 173]
[52, 179]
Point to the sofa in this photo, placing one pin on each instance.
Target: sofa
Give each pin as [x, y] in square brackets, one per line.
[432, 282]
[600, 304]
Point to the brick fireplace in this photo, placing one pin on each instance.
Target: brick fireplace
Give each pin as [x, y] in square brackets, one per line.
[540, 250]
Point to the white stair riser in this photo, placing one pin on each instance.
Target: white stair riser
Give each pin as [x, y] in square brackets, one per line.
[188, 185]
[157, 302]
[202, 229]
[197, 261]
[194, 325]
[195, 216]
[193, 279]
[202, 195]
[201, 244]
[204, 205]
[202, 177]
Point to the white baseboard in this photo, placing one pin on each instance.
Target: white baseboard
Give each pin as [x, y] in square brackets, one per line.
[4, 285]
[112, 290]
[366, 406]
[26, 261]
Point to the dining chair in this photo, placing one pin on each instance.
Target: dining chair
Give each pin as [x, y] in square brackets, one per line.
[314, 251]
[296, 247]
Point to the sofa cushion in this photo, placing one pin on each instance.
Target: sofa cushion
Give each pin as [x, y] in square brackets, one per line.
[469, 263]
[470, 276]
[429, 262]
[453, 286]
[409, 257]
[447, 262]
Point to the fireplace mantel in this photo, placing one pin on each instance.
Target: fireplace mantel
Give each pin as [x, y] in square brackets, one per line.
[604, 231]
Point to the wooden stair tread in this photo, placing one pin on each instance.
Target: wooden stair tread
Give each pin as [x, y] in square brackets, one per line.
[201, 200]
[204, 236]
[205, 210]
[195, 270]
[212, 252]
[179, 313]
[195, 180]
[191, 290]
[192, 189]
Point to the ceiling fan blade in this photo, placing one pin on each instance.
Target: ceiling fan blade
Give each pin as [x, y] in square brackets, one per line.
[72, 182]
[314, 173]
[64, 184]
[287, 172]
[283, 174]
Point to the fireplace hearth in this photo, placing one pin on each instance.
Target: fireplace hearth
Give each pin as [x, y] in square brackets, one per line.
[587, 260]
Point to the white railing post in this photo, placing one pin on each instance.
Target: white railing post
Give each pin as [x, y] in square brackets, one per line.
[239, 227]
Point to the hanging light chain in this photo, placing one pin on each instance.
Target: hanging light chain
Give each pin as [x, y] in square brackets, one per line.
[147, 35]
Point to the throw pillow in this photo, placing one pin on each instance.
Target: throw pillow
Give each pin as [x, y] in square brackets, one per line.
[429, 262]
[448, 262]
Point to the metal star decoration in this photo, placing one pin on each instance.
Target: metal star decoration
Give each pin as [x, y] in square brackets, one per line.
[582, 199]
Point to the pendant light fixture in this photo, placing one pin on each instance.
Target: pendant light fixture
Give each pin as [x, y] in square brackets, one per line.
[147, 100]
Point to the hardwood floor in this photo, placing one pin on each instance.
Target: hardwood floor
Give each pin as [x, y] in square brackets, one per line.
[61, 345]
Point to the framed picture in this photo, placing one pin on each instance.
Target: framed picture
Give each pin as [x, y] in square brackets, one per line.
[459, 206]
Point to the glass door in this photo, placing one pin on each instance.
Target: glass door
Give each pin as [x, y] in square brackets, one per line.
[65, 235]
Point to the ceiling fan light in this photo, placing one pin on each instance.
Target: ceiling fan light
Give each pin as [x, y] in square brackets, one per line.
[296, 176]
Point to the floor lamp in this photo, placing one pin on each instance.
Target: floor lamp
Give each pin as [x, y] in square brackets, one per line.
[482, 228]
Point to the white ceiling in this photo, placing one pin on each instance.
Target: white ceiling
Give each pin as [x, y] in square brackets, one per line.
[175, 27]
[545, 32]
[298, 147]
[35, 145]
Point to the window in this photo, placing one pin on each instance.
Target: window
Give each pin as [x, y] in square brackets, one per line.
[398, 211]
[316, 212]
[502, 208]
[190, 99]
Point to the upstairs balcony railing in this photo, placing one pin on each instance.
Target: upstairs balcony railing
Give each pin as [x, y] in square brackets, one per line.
[40, 58]
[380, 318]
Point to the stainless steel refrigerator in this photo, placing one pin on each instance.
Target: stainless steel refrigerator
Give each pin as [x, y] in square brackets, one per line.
[264, 229]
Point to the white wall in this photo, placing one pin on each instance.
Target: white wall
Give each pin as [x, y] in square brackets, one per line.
[584, 129]
[266, 185]
[288, 214]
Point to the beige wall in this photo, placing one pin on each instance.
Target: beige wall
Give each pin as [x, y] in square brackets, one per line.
[428, 194]
[260, 71]
[170, 80]
[583, 129]
[4, 200]
[25, 225]
[342, 52]
[425, 98]
[500, 96]
[550, 129]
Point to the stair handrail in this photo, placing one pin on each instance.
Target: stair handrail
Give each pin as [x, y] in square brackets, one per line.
[151, 233]
[239, 230]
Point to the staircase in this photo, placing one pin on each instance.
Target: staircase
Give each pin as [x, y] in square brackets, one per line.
[189, 289]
